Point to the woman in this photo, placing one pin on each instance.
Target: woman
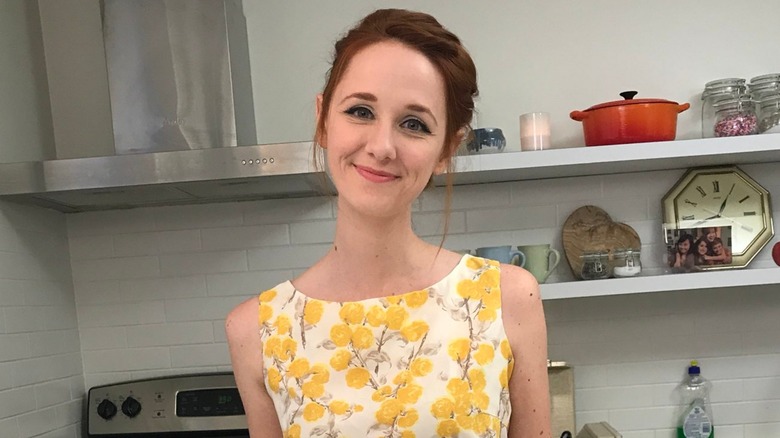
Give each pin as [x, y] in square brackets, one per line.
[388, 335]
[682, 260]
[703, 250]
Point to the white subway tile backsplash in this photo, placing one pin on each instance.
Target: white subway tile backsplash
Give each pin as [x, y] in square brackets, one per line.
[116, 268]
[24, 217]
[554, 191]
[158, 242]
[615, 397]
[9, 428]
[156, 335]
[6, 377]
[145, 312]
[48, 342]
[285, 257]
[200, 309]
[507, 219]
[282, 211]
[245, 284]
[467, 197]
[38, 422]
[641, 418]
[189, 217]
[96, 292]
[17, 401]
[149, 289]
[312, 232]
[14, 346]
[762, 389]
[245, 237]
[52, 393]
[91, 247]
[203, 263]
[110, 222]
[42, 369]
[200, 355]
[432, 224]
[762, 430]
[626, 210]
[103, 338]
[131, 359]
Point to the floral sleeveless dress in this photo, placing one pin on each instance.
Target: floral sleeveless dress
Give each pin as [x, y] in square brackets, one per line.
[429, 363]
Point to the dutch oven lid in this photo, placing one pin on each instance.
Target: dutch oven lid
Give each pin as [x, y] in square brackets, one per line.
[628, 99]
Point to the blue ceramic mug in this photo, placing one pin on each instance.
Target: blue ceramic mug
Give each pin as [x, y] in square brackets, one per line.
[503, 254]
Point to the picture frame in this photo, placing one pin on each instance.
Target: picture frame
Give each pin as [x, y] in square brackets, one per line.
[698, 249]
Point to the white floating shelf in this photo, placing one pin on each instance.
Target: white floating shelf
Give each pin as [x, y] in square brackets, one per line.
[661, 283]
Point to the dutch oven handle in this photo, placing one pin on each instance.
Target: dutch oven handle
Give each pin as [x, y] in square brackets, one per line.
[578, 115]
[628, 95]
[683, 107]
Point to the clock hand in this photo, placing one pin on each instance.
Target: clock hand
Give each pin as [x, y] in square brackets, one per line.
[723, 205]
[744, 227]
[705, 220]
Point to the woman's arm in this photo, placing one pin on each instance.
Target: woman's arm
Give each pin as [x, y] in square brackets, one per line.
[526, 329]
[246, 354]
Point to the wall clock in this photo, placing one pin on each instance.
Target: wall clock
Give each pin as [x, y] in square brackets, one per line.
[721, 205]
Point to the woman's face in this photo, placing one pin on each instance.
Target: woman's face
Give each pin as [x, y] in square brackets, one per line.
[684, 247]
[385, 129]
[711, 234]
[702, 248]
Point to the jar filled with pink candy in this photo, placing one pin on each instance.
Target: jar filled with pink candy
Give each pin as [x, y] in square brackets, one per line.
[735, 116]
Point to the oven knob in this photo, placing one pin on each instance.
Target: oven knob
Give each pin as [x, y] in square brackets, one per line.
[131, 407]
[106, 409]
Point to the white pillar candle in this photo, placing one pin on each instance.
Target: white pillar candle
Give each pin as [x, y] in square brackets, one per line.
[535, 131]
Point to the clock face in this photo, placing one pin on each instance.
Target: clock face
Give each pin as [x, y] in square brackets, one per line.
[722, 197]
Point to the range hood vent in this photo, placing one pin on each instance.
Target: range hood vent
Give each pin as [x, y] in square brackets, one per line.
[240, 173]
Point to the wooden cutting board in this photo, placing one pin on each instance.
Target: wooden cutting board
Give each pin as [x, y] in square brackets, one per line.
[589, 228]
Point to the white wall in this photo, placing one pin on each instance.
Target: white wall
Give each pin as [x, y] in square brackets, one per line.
[41, 377]
[153, 286]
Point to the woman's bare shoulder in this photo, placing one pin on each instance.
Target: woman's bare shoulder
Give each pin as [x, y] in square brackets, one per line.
[519, 291]
[241, 322]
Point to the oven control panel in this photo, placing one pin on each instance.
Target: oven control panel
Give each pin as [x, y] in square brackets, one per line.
[189, 403]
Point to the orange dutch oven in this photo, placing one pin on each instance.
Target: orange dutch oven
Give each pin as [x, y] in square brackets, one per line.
[630, 120]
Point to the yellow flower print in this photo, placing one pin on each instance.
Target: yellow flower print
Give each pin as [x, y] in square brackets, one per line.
[376, 316]
[381, 393]
[459, 348]
[298, 367]
[357, 377]
[469, 290]
[408, 417]
[484, 354]
[395, 299]
[274, 378]
[388, 411]
[403, 378]
[319, 373]
[358, 408]
[421, 366]
[442, 408]
[313, 389]
[492, 300]
[282, 325]
[338, 407]
[506, 351]
[267, 296]
[265, 313]
[408, 434]
[340, 334]
[482, 422]
[486, 315]
[410, 394]
[293, 431]
[293, 393]
[477, 379]
[496, 425]
[463, 403]
[340, 359]
[416, 299]
[448, 428]
[457, 386]
[396, 315]
[415, 330]
[272, 344]
[352, 313]
[503, 378]
[362, 337]
[480, 400]
[489, 279]
[465, 421]
[288, 348]
[313, 412]
[312, 312]
[475, 263]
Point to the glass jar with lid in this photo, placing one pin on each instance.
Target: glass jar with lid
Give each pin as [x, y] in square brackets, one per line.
[769, 121]
[735, 116]
[627, 263]
[595, 265]
[764, 84]
[715, 91]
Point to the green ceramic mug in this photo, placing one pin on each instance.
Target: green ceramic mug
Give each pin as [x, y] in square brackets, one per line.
[537, 260]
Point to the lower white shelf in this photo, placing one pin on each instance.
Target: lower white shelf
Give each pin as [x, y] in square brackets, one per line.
[661, 283]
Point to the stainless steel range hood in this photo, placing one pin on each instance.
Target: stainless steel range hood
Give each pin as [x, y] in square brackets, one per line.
[164, 178]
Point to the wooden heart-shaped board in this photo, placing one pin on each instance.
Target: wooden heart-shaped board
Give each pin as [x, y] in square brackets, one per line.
[590, 228]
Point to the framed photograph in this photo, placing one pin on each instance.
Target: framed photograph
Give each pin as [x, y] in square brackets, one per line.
[698, 249]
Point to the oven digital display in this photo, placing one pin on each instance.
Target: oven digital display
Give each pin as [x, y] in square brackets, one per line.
[217, 402]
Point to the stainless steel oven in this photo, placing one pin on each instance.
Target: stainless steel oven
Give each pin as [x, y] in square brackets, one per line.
[194, 405]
